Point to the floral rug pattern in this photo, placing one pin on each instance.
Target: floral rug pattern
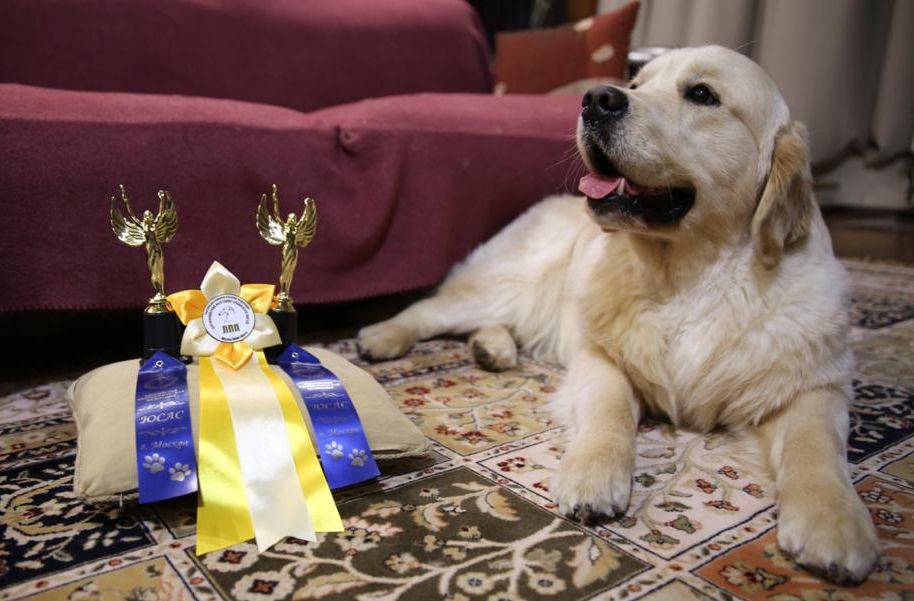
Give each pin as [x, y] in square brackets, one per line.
[474, 519]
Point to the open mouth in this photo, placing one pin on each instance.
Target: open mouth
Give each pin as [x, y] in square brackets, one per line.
[610, 192]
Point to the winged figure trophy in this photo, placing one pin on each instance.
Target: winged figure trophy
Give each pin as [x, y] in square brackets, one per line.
[150, 232]
[293, 233]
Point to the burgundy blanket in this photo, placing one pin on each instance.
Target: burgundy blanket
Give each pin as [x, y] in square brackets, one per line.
[301, 54]
[405, 187]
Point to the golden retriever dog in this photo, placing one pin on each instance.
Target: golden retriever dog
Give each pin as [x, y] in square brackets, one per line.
[695, 280]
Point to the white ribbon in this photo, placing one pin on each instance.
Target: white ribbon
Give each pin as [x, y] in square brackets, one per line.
[274, 492]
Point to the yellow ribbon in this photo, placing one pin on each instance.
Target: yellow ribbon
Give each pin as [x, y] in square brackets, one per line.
[259, 296]
[224, 513]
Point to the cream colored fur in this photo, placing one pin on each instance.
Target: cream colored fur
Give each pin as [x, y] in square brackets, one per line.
[734, 317]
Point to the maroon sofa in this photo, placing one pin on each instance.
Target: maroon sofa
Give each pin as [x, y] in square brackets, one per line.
[379, 110]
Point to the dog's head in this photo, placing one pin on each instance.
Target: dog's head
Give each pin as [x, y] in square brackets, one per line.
[700, 144]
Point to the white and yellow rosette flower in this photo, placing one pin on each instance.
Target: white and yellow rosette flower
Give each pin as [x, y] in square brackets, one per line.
[225, 319]
[257, 469]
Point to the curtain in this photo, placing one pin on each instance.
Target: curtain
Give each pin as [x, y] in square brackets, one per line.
[845, 67]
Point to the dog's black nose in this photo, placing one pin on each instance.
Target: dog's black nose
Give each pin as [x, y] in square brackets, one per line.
[602, 103]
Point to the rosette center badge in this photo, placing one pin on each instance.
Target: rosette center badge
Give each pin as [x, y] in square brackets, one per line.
[228, 318]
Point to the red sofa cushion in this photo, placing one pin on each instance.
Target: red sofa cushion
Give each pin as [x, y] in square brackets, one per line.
[405, 187]
[298, 54]
[541, 60]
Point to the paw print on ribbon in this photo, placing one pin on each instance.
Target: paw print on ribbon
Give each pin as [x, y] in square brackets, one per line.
[155, 463]
[357, 457]
[179, 471]
[334, 449]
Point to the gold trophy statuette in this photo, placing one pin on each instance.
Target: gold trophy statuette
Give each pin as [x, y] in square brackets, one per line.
[292, 234]
[151, 232]
[161, 329]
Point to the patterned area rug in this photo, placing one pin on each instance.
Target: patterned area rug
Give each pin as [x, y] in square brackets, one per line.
[475, 520]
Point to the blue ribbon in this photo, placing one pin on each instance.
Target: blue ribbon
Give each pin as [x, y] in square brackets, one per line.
[165, 462]
[341, 440]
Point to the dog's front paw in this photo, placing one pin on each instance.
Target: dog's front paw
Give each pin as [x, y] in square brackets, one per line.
[592, 483]
[385, 340]
[493, 348]
[831, 537]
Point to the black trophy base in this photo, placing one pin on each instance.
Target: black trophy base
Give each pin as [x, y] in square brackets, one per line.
[161, 333]
[287, 326]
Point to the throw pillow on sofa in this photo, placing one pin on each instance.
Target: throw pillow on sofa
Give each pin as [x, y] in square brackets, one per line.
[539, 61]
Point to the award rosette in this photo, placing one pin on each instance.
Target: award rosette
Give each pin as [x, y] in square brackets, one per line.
[259, 476]
[345, 454]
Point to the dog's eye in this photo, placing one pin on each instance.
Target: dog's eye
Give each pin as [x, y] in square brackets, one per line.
[633, 86]
[701, 94]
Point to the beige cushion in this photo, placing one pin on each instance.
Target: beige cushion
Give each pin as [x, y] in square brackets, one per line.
[103, 404]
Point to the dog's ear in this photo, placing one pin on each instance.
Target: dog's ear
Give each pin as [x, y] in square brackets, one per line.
[785, 209]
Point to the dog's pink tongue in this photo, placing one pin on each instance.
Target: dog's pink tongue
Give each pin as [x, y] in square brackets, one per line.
[597, 186]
